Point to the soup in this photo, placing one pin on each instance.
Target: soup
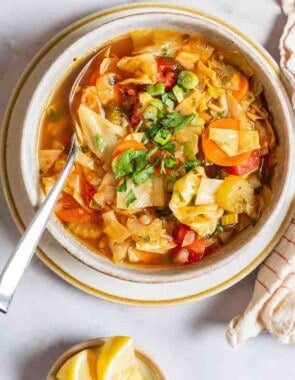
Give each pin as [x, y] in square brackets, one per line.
[176, 150]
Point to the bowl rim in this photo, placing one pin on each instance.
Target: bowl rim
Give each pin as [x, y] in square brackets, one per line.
[260, 256]
[147, 275]
[96, 343]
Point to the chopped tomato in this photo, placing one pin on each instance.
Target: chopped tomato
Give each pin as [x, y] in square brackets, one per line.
[212, 151]
[164, 65]
[180, 233]
[167, 72]
[198, 246]
[88, 191]
[193, 257]
[125, 145]
[73, 215]
[243, 87]
[251, 164]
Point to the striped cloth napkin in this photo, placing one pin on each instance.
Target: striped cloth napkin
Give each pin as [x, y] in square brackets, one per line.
[272, 307]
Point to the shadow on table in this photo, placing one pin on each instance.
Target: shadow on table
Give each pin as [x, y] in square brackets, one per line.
[38, 366]
[222, 307]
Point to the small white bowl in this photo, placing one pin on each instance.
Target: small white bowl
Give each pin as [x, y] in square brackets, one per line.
[258, 238]
[142, 356]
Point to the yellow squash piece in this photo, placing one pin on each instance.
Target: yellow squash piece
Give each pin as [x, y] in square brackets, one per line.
[81, 366]
[236, 195]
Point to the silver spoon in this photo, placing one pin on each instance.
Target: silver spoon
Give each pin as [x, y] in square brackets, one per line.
[24, 251]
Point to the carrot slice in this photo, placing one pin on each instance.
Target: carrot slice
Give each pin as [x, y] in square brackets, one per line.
[74, 215]
[125, 145]
[212, 151]
[243, 88]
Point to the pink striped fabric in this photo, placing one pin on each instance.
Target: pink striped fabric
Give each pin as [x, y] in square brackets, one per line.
[272, 306]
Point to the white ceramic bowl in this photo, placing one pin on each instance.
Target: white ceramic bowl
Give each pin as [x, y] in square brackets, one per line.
[267, 230]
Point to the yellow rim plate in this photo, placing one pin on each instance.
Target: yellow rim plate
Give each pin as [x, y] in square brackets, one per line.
[59, 270]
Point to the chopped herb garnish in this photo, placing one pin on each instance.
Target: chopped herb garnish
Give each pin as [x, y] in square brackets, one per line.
[169, 147]
[165, 52]
[130, 198]
[123, 186]
[143, 175]
[163, 136]
[189, 165]
[177, 121]
[221, 115]
[218, 228]
[53, 116]
[169, 162]
[99, 142]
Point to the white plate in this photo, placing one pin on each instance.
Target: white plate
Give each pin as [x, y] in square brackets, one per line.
[49, 251]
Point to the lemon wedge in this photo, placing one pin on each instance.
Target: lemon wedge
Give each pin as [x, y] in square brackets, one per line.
[117, 361]
[79, 366]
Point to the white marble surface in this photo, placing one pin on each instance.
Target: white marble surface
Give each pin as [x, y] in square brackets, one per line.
[48, 315]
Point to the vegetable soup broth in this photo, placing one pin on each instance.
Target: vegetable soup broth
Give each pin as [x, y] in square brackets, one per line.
[176, 149]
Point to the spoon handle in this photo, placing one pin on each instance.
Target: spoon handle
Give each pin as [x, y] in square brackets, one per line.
[22, 255]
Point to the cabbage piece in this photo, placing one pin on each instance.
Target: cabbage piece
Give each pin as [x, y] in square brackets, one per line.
[233, 142]
[248, 140]
[99, 134]
[236, 111]
[91, 99]
[207, 190]
[47, 158]
[143, 79]
[189, 103]
[108, 64]
[198, 45]
[147, 194]
[48, 183]
[136, 136]
[106, 192]
[201, 219]
[187, 60]
[85, 230]
[155, 41]
[74, 187]
[115, 231]
[235, 58]
[205, 71]
[226, 139]
[143, 64]
[85, 161]
[151, 238]
[119, 250]
[266, 134]
[184, 191]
